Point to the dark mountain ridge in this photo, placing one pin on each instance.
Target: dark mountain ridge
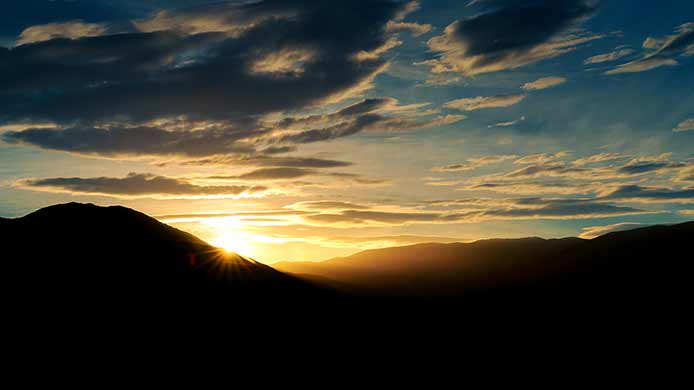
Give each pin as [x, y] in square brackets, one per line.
[643, 261]
[82, 254]
[88, 257]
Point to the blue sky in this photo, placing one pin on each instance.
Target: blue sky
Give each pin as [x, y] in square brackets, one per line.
[309, 130]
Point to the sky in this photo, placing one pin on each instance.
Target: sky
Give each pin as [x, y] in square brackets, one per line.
[301, 130]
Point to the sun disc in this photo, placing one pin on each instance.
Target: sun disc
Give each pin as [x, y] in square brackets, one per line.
[233, 243]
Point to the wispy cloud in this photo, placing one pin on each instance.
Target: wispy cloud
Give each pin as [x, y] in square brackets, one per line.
[474, 163]
[73, 30]
[661, 51]
[479, 102]
[608, 57]
[544, 83]
[597, 231]
[686, 125]
[508, 123]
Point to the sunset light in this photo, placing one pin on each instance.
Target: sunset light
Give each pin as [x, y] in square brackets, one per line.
[232, 243]
[349, 141]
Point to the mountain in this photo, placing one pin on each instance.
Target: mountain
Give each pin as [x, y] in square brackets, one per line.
[643, 263]
[82, 255]
[86, 259]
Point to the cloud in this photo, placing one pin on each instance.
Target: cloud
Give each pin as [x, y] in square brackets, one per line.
[651, 194]
[597, 231]
[648, 166]
[511, 35]
[562, 169]
[177, 218]
[196, 140]
[599, 158]
[544, 83]
[557, 209]
[71, 30]
[289, 173]
[686, 125]
[225, 17]
[608, 57]
[544, 173]
[474, 163]
[642, 65]
[541, 158]
[508, 123]
[416, 29]
[200, 63]
[139, 140]
[138, 185]
[359, 217]
[686, 175]
[398, 24]
[476, 103]
[661, 51]
[269, 161]
[368, 122]
[536, 187]
[519, 209]
[282, 173]
[548, 169]
[326, 205]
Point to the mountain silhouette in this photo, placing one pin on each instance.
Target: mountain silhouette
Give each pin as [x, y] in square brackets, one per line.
[637, 265]
[82, 255]
[91, 258]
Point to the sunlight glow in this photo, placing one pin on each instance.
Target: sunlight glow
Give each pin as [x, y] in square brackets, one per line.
[231, 242]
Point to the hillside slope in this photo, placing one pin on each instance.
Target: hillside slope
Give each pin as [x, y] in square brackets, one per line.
[642, 261]
[81, 253]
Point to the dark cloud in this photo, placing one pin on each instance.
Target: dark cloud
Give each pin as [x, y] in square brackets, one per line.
[509, 35]
[374, 114]
[649, 166]
[220, 71]
[288, 173]
[268, 161]
[137, 185]
[278, 150]
[635, 192]
[141, 140]
[369, 122]
[363, 107]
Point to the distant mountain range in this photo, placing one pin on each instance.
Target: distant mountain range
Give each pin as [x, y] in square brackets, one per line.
[645, 262]
[82, 255]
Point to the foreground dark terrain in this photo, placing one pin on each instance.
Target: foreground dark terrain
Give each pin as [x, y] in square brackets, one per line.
[82, 255]
[89, 257]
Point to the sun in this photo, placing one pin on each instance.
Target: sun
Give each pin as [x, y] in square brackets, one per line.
[233, 243]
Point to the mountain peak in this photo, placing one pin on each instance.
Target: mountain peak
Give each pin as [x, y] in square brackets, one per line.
[115, 252]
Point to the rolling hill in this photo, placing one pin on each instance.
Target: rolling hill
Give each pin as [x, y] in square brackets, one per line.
[646, 262]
